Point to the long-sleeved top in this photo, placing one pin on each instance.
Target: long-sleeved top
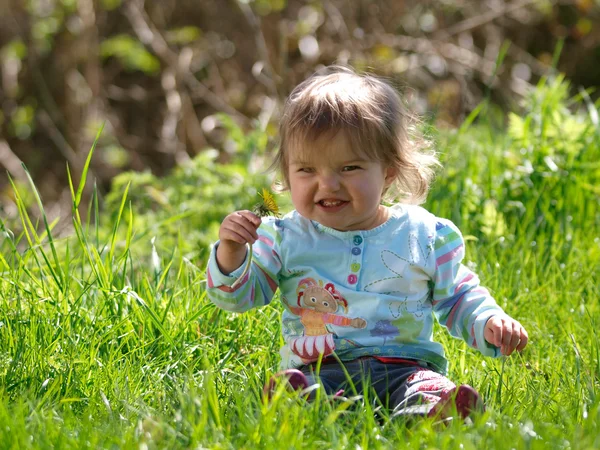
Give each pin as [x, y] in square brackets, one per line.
[361, 293]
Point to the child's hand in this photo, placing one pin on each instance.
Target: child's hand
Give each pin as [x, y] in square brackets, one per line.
[506, 333]
[237, 230]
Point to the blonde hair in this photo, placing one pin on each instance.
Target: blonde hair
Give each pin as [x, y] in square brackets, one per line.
[374, 119]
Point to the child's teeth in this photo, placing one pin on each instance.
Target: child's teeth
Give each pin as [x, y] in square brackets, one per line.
[325, 203]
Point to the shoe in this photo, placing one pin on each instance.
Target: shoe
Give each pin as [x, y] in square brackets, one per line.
[464, 399]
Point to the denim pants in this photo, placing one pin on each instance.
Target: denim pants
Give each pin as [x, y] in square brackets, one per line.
[402, 387]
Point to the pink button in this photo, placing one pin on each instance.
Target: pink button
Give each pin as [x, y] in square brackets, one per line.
[352, 279]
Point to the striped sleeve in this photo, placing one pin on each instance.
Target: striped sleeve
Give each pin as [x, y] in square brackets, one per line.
[460, 303]
[260, 282]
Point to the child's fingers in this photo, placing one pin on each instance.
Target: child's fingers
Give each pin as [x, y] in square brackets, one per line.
[515, 338]
[243, 225]
[507, 334]
[501, 333]
[239, 234]
[498, 330]
[493, 332]
[250, 217]
[524, 339]
[236, 232]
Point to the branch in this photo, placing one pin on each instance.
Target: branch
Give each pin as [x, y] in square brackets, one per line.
[59, 140]
[149, 35]
[168, 131]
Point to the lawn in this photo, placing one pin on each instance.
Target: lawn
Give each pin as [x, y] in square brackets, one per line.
[107, 339]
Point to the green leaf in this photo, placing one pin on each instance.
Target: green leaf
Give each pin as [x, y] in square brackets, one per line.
[132, 54]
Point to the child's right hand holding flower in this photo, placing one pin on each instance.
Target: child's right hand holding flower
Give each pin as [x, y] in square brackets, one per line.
[237, 230]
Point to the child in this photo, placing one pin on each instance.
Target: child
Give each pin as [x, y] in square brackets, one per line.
[360, 281]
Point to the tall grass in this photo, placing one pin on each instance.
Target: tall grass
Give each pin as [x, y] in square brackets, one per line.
[102, 346]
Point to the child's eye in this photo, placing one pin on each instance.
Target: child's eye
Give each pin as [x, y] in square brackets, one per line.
[350, 168]
[305, 169]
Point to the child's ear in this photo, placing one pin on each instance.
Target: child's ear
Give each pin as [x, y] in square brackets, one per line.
[391, 173]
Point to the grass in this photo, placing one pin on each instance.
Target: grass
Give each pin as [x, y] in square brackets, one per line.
[102, 348]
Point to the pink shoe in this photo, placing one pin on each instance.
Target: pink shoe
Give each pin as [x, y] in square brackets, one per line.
[296, 381]
[463, 398]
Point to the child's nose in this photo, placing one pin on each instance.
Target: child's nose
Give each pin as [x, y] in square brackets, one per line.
[329, 182]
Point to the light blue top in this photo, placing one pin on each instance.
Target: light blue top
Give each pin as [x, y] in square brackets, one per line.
[362, 293]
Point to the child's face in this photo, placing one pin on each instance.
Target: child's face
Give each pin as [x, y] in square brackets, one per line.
[333, 185]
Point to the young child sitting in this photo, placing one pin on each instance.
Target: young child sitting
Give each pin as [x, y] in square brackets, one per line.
[360, 281]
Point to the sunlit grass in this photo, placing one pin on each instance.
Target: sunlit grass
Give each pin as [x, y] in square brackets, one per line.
[100, 347]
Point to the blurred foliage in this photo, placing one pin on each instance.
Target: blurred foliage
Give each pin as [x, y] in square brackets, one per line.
[543, 172]
[172, 79]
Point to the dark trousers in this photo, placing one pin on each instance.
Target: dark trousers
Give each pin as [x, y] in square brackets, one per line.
[403, 388]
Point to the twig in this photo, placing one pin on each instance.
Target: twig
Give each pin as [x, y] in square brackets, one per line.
[535, 64]
[447, 50]
[11, 162]
[168, 132]
[261, 45]
[193, 127]
[477, 21]
[338, 21]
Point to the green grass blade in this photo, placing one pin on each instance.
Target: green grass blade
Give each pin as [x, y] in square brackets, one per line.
[471, 117]
[30, 233]
[499, 60]
[153, 317]
[86, 168]
[557, 52]
[59, 273]
[96, 215]
[116, 225]
[70, 180]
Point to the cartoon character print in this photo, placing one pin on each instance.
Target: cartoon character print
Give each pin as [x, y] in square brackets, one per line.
[317, 303]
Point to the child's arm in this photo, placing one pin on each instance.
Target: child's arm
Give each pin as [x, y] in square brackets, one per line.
[231, 287]
[465, 307]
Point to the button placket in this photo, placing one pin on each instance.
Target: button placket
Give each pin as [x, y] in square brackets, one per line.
[356, 260]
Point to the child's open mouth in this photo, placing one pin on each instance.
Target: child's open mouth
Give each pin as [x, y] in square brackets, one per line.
[332, 205]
